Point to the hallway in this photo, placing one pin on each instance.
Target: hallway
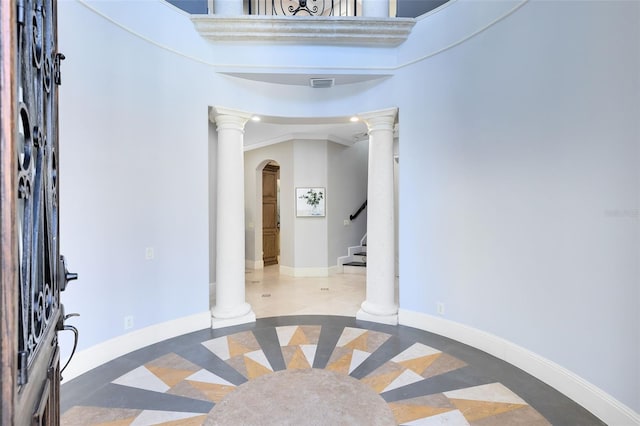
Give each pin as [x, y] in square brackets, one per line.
[306, 369]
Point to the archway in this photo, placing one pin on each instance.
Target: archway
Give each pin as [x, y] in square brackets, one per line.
[270, 214]
[314, 160]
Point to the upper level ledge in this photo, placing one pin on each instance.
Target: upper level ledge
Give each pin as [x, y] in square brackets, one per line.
[328, 30]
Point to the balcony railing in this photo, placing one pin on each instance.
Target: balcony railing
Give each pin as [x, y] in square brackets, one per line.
[305, 7]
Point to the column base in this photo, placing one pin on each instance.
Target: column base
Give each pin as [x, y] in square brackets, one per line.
[391, 319]
[242, 314]
[228, 322]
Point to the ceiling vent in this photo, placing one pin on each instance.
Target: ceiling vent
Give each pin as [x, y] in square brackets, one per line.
[322, 83]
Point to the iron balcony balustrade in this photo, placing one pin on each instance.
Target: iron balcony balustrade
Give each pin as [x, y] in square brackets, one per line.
[305, 7]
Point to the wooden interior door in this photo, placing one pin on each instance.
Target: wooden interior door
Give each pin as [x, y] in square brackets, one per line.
[270, 221]
[33, 272]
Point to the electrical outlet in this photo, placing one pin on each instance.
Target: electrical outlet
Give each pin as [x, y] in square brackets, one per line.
[128, 322]
[440, 308]
[149, 253]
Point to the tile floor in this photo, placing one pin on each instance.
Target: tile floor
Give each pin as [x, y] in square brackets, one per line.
[308, 369]
[271, 294]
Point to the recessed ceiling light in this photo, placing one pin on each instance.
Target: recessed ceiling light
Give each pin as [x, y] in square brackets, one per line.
[255, 118]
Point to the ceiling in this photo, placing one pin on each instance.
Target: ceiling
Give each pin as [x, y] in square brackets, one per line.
[271, 130]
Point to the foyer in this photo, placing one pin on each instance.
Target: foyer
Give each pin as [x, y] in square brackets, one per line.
[518, 194]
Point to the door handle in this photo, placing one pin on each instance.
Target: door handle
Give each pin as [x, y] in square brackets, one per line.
[66, 327]
[64, 277]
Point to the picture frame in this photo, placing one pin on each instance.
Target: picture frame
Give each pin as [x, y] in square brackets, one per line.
[311, 201]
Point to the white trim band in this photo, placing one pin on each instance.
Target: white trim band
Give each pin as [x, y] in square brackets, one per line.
[111, 349]
[328, 30]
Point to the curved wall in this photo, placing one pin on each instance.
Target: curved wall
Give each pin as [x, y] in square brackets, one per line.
[133, 171]
[518, 187]
[524, 145]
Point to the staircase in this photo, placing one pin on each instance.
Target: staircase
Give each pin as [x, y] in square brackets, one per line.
[356, 260]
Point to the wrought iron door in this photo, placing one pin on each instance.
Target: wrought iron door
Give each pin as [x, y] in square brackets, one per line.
[33, 272]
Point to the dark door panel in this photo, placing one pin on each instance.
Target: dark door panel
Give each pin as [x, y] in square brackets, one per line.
[32, 272]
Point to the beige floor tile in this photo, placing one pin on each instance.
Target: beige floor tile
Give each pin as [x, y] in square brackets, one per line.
[272, 294]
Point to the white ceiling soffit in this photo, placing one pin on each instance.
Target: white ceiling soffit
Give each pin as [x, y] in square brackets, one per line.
[303, 79]
[273, 130]
[339, 139]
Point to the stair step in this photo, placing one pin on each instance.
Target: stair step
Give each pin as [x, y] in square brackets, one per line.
[363, 264]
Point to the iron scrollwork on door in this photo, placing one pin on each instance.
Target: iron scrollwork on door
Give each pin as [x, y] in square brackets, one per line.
[40, 282]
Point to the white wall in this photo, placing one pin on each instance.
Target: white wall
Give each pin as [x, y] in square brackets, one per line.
[308, 245]
[519, 186]
[347, 190]
[310, 237]
[133, 173]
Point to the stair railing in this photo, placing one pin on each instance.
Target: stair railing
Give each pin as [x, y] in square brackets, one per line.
[357, 213]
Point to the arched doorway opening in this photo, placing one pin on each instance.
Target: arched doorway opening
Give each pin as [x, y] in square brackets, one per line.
[307, 245]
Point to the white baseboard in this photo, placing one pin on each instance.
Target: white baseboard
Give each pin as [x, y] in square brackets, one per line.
[601, 404]
[111, 349]
[306, 272]
[380, 319]
[354, 270]
[254, 264]
[335, 269]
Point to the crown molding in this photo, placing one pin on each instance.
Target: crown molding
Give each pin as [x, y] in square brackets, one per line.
[327, 30]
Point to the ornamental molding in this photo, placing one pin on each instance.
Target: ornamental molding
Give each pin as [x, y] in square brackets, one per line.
[327, 30]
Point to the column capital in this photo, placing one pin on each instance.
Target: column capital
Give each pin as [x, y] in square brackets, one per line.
[227, 118]
[380, 120]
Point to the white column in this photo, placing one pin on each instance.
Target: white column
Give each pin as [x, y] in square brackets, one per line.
[226, 7]
[375, 8]
[231, 307]
[380, 304]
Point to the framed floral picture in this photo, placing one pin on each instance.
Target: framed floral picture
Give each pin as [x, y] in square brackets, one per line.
[310, 202]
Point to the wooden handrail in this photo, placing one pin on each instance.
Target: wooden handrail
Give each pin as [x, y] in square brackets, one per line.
[362, 207]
